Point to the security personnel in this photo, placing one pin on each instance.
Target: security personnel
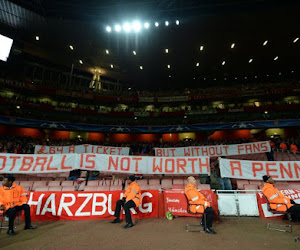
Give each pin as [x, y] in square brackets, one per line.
[277, 200]
[131, 198]
[199, 204]
[12, 200]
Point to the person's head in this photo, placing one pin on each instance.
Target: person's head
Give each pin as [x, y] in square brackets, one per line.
[131, 178]
[192, 180]
[268, 179]
[8, 181]
[220, 157]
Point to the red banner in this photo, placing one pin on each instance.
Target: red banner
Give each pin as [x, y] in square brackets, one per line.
[262, 203]
[175, 201]
[47, 206]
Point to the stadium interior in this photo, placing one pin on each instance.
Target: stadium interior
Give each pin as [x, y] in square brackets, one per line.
[142, 76]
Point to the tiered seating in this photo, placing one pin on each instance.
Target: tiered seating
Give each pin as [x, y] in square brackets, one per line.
[258, 185]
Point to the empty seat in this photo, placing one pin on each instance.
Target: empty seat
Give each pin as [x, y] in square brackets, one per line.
[93, 183]
[46, 179]
[115, 187]
[54, 183]
[68, 188]
[26, 184]
[91, 188]
[203, 186]
[155, 187]
[177, 186]
[41, 189]
[117, 182]
[178, 181]
[142, 182]
[241, 183]
[34, 179]
[250, 187]
[154, 182]
[105, 182]
[39, 184]
[144, 187]
[255, 182]
[57, 188]
[166, 183]
[103, 188]
[67, 183]
[60, 179]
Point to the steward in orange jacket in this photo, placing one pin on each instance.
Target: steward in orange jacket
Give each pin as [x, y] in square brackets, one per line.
[277, 200]
[131, 198]
[12, 200]
[199, 204]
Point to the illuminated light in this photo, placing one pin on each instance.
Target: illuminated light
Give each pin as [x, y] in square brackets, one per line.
[78, 136]
[185, 118]
[232, 45]
[246, 77]
[223, 63]
[204, 79]
[276, 58]
[267, 75]
[80, 61]
[169, 66]
[177, 22]
[265, 43]
[197, 64]
[166, 23]
[250, 61]
[134, 52]
[112, 66]
[156, 24]
[225, 78]
[118, 28]
[296, 39]
[235, 78]
[18, 107]
[141, 67]
[169, 76]
[167, 51]
[215, 79]
[135, 118]
[107, 51]
[194, 78]
[201, 47]
[127, 27]
[108, 29]
[266, 112]
[37, 38]
[146, 25]
[71, 47]
[280, 73]
[129, 88]
[255, 76]
[136, 25]
[292, 71]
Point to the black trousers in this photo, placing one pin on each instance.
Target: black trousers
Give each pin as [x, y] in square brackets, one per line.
[11, 213]
[209, 217]
[126, 206]
[295, 209]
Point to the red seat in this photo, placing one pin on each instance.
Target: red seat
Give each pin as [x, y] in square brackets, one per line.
[241, 183]
[68, 188]
[57, 188]
[154, 182]
[203, 186]
[166, 183]
[67, 183]
[93, 183]
[54, 183]
[178, 181]
[177, 186]
[41, 189]
[115, 187]
[250, 187]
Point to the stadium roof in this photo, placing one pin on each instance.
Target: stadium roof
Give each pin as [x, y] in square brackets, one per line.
[232, 33]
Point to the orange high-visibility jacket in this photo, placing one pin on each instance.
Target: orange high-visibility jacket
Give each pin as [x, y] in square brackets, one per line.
[276, 199]
[198, 203]
[133, 192]
[293, 148]
[283, 146]
[13, 196]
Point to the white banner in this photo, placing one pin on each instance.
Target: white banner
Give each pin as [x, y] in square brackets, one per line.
[215, 150]
[17, 163]
[81, 149]
[255, 170]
